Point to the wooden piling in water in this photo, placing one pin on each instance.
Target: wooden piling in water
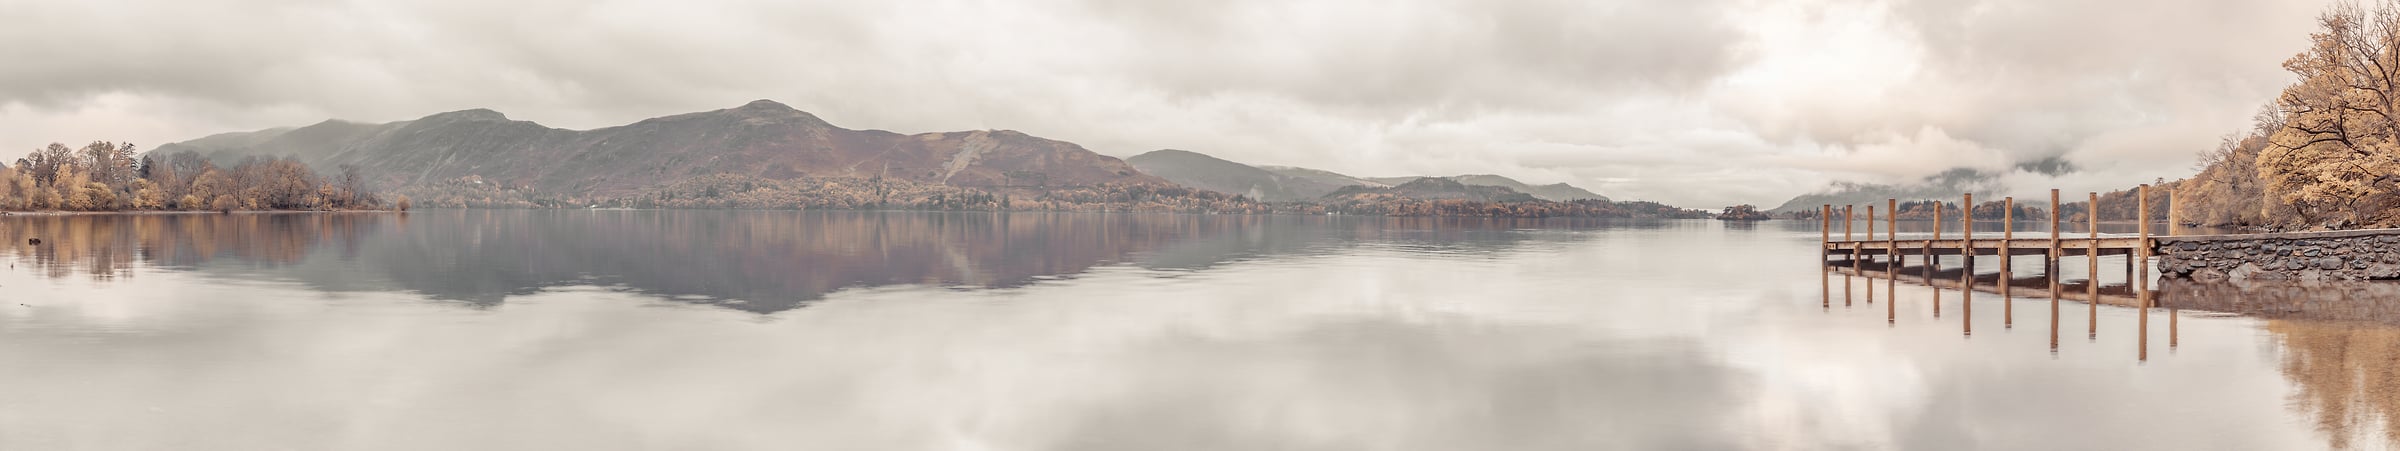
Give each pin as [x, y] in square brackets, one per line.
[1966, 297]
[1847, 222]
[2008, 231]
[1825, 227]
[2050, 270]
[2091, 255]
[1891, 231]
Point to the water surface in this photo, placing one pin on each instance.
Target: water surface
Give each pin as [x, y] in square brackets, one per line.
[810, 330]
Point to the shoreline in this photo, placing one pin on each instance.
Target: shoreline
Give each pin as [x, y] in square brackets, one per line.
[179, 212]
[61, 213]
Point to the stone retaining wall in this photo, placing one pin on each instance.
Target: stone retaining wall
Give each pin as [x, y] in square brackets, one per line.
[2348, 255]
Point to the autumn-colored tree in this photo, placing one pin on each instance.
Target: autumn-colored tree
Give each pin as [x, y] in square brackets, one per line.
[11, 197]
[107, 162]
[2335, 161]
[46, 163]
[104, 176]
[147, 196]
[2228, 192]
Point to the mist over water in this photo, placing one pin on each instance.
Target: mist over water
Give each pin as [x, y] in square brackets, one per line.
[862, 330]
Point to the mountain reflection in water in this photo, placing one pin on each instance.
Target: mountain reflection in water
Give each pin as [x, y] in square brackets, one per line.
[758, 261]
[680, 330]
[2338, 341]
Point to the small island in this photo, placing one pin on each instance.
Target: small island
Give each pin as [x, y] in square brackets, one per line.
[1744, 212]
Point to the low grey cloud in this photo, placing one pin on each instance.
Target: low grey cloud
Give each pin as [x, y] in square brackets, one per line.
[1695, 102]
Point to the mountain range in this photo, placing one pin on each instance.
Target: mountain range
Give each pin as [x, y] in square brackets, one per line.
[1945, 186]
[761, 139]
[768, 141]
[1286, 184]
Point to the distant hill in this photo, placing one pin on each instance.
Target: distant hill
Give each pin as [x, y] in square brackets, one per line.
[1285, 183]
[1432, 188]
[1553, 192]
[1946, 186]
[767, 155]
[761, 139]
[1557, 192]
[1196, 170]
[1321, 177]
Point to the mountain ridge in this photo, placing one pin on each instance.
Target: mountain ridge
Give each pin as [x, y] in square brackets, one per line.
[1287, 183]
[763, 139]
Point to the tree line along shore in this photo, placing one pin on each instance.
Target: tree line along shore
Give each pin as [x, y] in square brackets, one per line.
[115, 177]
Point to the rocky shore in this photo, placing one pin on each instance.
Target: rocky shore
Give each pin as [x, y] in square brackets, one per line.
[2345, 255]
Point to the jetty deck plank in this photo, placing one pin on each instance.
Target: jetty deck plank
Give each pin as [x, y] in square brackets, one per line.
[1987, 246]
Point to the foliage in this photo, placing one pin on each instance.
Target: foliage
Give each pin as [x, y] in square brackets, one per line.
[2326, 153]
[104, 176]
[1744, 212]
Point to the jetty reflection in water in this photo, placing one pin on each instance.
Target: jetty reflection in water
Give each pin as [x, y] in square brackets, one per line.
[759, 261]
[2339, 341]
[864, 330]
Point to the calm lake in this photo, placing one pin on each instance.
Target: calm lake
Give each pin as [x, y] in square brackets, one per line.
[865, 330]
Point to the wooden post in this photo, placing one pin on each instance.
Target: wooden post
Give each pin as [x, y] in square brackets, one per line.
[2050, 269]
[2141, 258]
[1891, 249]
[2091, 255]
[1966, 223]
[1825, 229]
[1966, 298]
[1861, 246]
[2008, 231]
[1891, 232]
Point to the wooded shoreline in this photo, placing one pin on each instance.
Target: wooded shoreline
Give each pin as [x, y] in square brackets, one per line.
[179, 212]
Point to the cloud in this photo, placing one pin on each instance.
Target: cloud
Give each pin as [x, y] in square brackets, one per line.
[1694, 102]
[2138, 86]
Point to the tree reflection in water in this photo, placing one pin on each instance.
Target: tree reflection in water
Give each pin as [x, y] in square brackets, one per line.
[2340, 347]
[758, 261]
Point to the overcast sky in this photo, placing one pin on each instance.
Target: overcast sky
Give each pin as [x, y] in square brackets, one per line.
[1698, 103]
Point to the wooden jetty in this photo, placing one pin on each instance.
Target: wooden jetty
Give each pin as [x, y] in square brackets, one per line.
[2334, 255]
[1859, 257]
[1855, 256]
[2181, 261]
